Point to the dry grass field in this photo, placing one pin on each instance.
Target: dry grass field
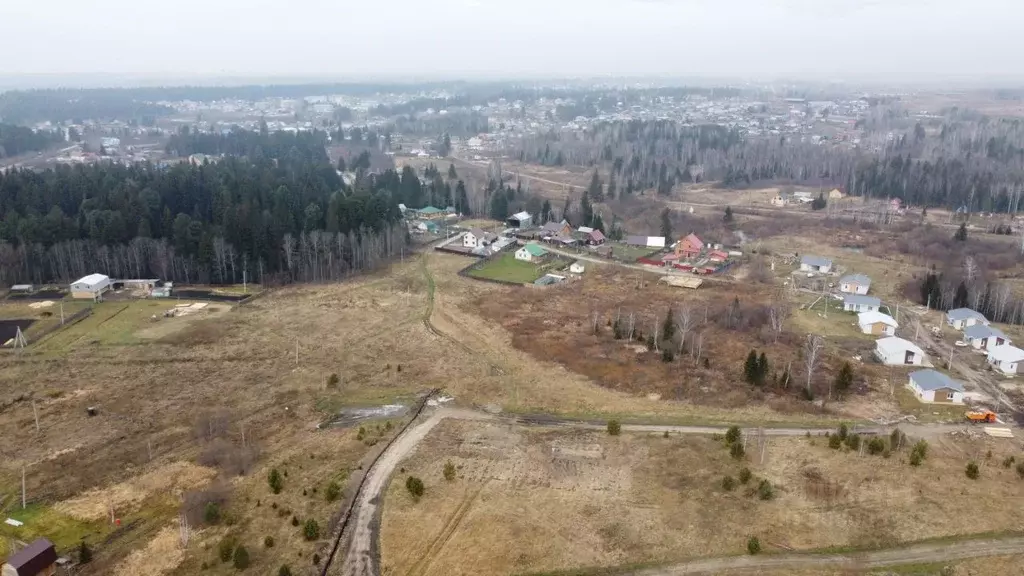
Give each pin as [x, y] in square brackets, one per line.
[535, 500]
[174, 398]
[168, 402]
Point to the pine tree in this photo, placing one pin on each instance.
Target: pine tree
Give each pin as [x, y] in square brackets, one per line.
[961, 233]
[586, 209]
[844, 379]
[750, 367]
[668, 329]
[961, 297]
[499, 206]
[452, 175]
[728, 217]
[762, 369]
[596, 188]
[545, 212]
[666, 224]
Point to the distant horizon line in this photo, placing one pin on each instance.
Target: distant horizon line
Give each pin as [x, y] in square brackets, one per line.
[92, 80]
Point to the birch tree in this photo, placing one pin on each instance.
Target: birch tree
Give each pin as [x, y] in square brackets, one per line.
[812, 353]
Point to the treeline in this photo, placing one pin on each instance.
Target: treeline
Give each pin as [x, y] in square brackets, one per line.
[974, 163]
[292, 147]
[178, 223]
[15, 140]
[70, 105]
[995, 299]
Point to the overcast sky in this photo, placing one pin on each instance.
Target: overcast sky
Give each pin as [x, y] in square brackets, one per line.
[850, 40]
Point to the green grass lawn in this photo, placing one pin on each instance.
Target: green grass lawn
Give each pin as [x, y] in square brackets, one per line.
[924, 412]
[112, 323]
[839, 323]
[627, 253]
[44, 521]
[506, 267]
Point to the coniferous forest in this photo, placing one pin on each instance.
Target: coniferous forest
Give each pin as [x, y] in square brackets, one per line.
[278, 211]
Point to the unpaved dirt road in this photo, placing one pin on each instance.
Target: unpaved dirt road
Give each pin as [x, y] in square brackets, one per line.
[359, 551]
[360, 540]
[920, 553]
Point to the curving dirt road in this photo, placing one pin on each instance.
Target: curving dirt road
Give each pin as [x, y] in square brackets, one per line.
[360, 541]
[919, 553]
[359, 551]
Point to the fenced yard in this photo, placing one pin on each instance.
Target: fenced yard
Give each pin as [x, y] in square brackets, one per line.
[505, 268]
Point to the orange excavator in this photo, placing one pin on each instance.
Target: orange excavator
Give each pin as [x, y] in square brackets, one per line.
[981, 417]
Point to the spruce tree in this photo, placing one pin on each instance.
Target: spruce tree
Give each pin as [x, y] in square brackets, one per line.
[668, 329]
[750, 367]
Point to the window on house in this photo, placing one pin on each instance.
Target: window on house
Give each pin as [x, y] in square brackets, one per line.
[949, 395]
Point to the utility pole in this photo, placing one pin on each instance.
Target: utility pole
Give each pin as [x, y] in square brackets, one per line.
[949, 365]
[61, 312]
[296, 351]
[35, 414]
[22, 487]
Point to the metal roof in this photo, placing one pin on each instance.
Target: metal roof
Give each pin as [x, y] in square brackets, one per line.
[855, 279]
[874, 317]
[33, 558]
[983, 331]
[861, 299]
[934, 380]
[92, 279]
[964, 314]
[816, 261]
[535, 250]
[894, 345]
[1006, 353]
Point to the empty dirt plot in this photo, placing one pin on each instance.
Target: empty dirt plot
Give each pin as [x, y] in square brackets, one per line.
[532, 500]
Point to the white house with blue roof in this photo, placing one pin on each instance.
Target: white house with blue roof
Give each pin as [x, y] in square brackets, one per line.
[961, 318]
[858, 303]
[934, 386]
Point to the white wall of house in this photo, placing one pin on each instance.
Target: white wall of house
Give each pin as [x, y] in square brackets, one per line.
[899, 358]
[469, 240]
[947, 396]
[811, 268]
[987, 342]
[524, 255]
[1008, 368]
[851, 307]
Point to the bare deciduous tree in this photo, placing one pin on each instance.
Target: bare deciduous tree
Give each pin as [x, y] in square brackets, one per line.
[778, 312]
[685, 322]
[812, 353]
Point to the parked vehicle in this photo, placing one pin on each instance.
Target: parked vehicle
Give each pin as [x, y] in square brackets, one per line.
[981, 416]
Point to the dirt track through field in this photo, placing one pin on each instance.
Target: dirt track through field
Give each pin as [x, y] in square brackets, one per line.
[360, 542]
[920, 553]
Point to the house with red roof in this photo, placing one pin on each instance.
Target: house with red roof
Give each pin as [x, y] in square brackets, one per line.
[689, 246]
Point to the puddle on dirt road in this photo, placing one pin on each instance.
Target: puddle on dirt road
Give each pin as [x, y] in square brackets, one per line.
[352, 416]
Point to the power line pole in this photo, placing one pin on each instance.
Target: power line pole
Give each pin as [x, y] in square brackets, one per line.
[22, 487]
[35, 414]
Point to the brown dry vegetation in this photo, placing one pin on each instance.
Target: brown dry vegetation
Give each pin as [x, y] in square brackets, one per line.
[239, 367]
[528, 500]
[557, 325]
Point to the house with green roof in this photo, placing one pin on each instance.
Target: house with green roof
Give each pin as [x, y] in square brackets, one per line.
[430, 212]
[530, 253]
